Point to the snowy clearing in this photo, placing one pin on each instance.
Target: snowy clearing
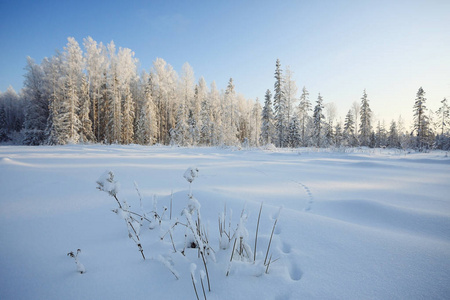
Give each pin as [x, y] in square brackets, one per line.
[370, 224]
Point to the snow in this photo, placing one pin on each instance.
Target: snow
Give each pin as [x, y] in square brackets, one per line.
[357, 224]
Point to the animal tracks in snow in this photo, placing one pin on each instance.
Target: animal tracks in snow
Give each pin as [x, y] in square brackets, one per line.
[294, 271]
[308, 192]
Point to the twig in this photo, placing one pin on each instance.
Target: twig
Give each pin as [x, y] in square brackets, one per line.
[231, 258]
[195, 289]
[270, 241]
[257, 227]
[203, 288]
[268, 264]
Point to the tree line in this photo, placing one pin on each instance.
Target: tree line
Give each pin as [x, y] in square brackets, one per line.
[97, 96]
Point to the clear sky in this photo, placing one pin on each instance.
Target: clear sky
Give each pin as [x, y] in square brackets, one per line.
[337, 48]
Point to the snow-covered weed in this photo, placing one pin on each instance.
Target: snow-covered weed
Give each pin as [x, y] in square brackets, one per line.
[196, 233]
[80, 266]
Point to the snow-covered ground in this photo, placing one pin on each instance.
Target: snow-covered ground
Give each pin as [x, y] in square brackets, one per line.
[371, 224]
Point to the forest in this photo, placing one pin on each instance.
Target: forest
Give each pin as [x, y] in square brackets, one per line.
[98, 96]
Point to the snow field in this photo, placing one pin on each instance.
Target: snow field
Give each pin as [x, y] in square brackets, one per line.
[362, 225]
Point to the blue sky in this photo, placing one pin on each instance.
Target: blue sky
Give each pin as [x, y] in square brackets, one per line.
[337, 48]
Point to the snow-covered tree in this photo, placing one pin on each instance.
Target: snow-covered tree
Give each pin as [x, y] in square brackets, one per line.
[304, 107]
[164, 79]
[255, 123]
[146, 124]
[421, 122]
[294, 137]
[356, 110]
[230, 115]
[86, 134]
[279, 102]
[349, 130]
[96, 66]
[267, 127]
[365, 128]
[73, 65]
[393, 140]
[443, 116]
[290, 93]
[381, 135]
[318, 119]
[37, 110]
[13, 108]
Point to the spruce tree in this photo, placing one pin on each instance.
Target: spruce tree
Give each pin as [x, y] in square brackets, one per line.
[420, 120]
[349, 129]
[318, 119]
[279, 102]
[267, 129]
[365, 128]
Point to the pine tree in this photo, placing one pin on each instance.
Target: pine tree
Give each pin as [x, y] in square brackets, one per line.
[267, 129]
[279, 102]
[421, 120]
[319, 119]
[365, 128]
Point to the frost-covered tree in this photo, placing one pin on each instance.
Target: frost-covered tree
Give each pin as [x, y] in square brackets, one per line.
[279, 102]
[365, 127]
[267, 127]
[294, 137]
[319, 119]
[290, 93]
[13, 108]
[255, 123]
[73, 65]
[356, 110]
[36, 112]
[304, 107]
[421, 122]
[3, 125]
[381, 135]
[86, 134]
[179, 135]
[349, 130]
[165, 80]
[230, 115]
[393, 140]
[193, 130]
[338, 135]
[96, 66]
[443, 116]
[146, 125]
[217, 115]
